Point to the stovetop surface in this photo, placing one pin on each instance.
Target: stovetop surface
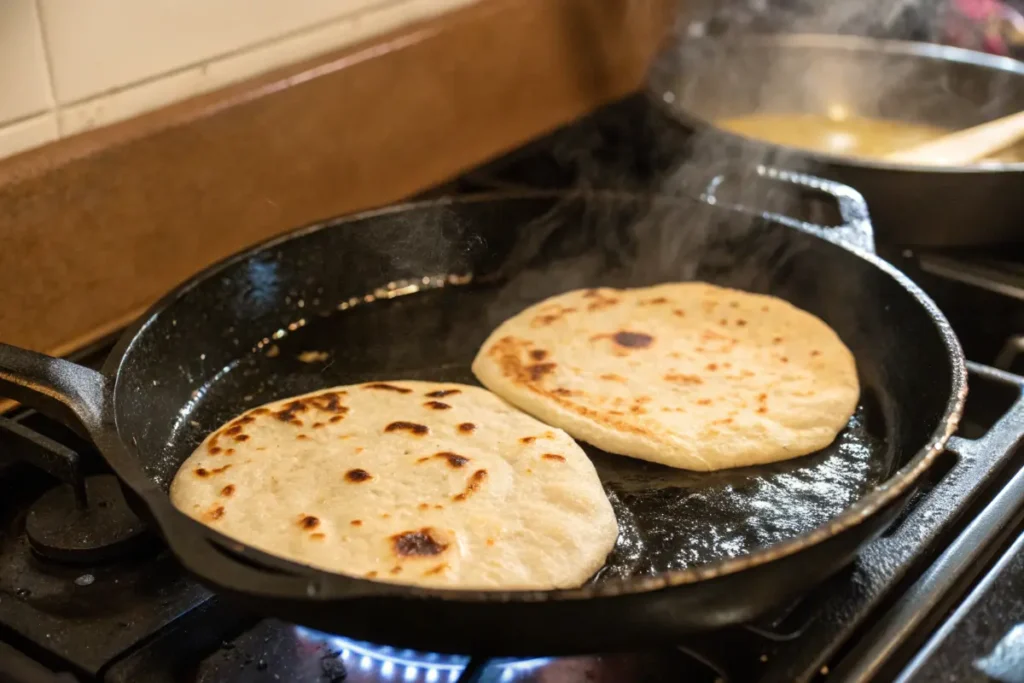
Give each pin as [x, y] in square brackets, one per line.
[138, 618]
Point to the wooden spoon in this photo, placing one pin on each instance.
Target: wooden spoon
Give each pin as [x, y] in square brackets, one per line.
[964, 146]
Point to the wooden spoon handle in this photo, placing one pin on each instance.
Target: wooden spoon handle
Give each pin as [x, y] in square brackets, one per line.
[965, 146]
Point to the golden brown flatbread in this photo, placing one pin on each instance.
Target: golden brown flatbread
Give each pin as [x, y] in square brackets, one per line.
[408, 482]
[689, 375]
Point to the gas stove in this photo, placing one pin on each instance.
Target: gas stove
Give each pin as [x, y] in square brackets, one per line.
[88, 594]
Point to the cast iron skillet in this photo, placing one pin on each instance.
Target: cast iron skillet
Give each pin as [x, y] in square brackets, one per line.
[696, 82]
[697, 551]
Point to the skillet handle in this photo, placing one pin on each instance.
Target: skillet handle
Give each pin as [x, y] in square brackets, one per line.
[72, 394]
[80, 398]
[855, 230]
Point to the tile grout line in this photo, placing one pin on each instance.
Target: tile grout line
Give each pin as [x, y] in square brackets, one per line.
[25, 118]
[48, 62]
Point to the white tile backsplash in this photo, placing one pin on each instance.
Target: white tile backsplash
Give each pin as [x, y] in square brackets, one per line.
[100, 45]
[24, 83]
[113, 59]
[217, 73]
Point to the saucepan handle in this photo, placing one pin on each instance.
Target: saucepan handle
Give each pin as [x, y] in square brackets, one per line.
[855, 229]
[73, 394]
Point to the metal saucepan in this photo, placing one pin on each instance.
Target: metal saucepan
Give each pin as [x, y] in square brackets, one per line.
[700, 81]
[696, 551]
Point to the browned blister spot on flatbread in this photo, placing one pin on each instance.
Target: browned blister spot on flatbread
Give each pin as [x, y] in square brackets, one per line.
[382, 386]
[598, 300]
[612, 377]
[467, 428]
[538, 371]
[204, 472]
[329, 402]
[453, 459]
[423, 542]
[214, 513]
[357, 476]
[228, 490]
[632, 340]
[554, 457]
[318, 536]
[551, 315]
[683, 378]
[290, 412]
[411, 427]
[441, 393]
[538, 354]
[308, 522]
[433, 571]
[436, 405]
[473, 484]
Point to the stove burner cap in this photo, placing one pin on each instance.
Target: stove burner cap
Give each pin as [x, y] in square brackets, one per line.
[104, 529]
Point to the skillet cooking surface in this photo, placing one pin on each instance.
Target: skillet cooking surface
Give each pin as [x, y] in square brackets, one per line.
[668, 518]
[238, 334]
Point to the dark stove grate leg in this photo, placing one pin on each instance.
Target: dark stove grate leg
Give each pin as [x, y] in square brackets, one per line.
[474, 671]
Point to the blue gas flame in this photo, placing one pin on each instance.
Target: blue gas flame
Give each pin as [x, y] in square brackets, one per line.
[396, 664]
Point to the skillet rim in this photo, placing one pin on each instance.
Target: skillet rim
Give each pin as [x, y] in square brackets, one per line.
[870, 503]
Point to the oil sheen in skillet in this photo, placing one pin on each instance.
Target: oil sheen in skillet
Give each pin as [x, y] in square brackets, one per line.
[668, 519]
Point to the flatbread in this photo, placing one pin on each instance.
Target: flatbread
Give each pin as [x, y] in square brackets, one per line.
[689, 375]
[408, 482]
